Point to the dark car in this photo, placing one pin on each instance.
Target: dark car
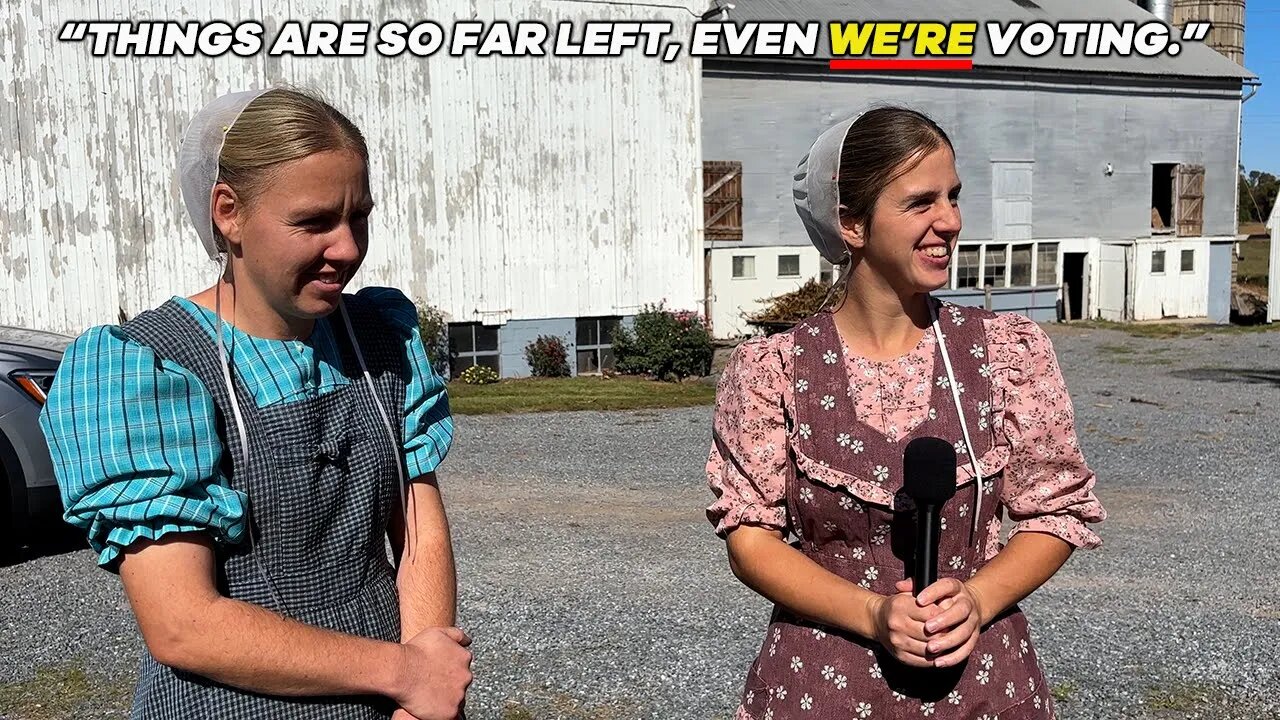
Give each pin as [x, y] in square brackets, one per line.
[28, 490]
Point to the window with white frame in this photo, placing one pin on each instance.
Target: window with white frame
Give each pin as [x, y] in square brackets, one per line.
[1188, 261]
[472, 344]
[788, 266]
[967, 267]
[1046, 264]
[995, 267]
[1002, 265]
[1157, 262]
[1020, 266]
[594, 341]
[744, 266]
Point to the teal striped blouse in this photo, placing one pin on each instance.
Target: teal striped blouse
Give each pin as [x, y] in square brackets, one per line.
[134, 439]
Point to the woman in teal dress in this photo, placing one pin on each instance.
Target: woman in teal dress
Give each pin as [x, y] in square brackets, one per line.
[242, 456]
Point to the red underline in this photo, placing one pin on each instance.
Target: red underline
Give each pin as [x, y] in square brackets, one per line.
[903, 64]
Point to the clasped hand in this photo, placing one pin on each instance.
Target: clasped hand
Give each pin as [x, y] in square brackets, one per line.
[939, 628]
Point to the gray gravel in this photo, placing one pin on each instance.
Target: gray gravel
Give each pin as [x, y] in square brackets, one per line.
[595, 588]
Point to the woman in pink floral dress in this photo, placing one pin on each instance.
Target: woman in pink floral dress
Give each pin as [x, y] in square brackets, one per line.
[809, 433]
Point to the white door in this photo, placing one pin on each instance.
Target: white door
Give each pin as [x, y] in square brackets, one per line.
[1113, 272]
[1011, 199]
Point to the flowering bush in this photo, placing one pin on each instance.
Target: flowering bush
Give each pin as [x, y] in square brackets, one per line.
[478, 375]
[547, 357]
[664, 344]
[434, 331]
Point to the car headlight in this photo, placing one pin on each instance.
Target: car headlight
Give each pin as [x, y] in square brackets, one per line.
[35, 383]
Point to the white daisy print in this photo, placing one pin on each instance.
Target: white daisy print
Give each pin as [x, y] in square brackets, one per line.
[840, 682]
[829, 526]
[984, 677]
[818, 634]
[960, 448]
[959, 387]
[942, 521]
[813, 330]
[796, 663]
[1005, 640]
[1008, 689]
[987, 660]
[872, 573]
[977, 351]
[805, 430]
[1036, 701]
[782, 693]
[806, 495]
[856, 446]
[828, 402]
[768, 714]
[858, 553]
[957, 318]
[806, 702]
[963, 511]
[1023, 647]
[802, 385]
[843, 439]
[876, 672]
[1031, 684]
[954, 698]
[798, 351]
[829, 357]
[846, 502]
[957, 562]
[828, 672]
[926, 709]
[751, 696]
[899, 696]
[933, 414]
[984, 407]
[944, 382]
[864, 710]
[881, 473]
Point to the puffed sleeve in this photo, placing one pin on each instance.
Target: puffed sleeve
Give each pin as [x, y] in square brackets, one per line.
[135, 447]
[428, 425]
[748, 462]
[1048, 487]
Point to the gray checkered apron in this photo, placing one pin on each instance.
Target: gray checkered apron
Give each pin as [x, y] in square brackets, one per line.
[321, 480]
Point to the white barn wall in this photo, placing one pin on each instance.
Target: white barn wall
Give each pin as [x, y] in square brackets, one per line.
[1173, 293]
[507, 189]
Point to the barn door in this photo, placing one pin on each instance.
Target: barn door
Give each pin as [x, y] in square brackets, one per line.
[1190, 212]
[722, 200]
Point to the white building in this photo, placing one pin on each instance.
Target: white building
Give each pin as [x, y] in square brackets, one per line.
[1111, 177]
[522, 196]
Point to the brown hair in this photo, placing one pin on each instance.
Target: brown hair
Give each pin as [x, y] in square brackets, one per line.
[881, 145]
[279, 126]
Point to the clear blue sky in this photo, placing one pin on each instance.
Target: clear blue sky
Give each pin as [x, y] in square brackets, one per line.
[1260, 148]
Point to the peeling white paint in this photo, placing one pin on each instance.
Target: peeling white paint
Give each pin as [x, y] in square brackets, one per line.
[507, 188]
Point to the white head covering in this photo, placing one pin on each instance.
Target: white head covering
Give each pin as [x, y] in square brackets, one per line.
[199, 156]
[817, 192]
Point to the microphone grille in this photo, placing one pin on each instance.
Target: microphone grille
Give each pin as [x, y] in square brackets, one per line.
[929, 469]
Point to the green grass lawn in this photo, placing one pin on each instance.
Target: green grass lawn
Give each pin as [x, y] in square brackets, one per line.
[578, 393]
[1162, 330]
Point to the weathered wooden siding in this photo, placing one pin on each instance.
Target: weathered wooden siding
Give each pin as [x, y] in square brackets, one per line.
[507, 188]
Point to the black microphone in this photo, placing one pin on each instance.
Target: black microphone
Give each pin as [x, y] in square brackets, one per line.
[929, 478]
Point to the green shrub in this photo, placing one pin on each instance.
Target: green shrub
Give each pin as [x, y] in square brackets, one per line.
[478, 375]
[434, 330]
[547, 357]
[664, 344]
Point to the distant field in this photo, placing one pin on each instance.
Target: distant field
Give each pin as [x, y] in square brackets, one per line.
[1252, 267]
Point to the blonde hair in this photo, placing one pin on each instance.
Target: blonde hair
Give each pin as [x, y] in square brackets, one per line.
[279, 126]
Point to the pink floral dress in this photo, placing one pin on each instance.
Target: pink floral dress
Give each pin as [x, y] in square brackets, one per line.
[808, 440]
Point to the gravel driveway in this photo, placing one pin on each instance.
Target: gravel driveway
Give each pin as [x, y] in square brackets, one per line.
[595, 587]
